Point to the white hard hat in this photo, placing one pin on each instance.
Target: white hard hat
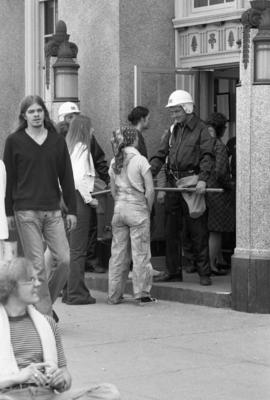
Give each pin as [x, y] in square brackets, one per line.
[67, 108]
[181, 98]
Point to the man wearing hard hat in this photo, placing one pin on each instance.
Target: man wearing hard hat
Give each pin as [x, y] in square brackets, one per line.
[186, 150]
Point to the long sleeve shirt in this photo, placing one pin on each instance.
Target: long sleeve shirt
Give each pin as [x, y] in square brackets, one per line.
[100, 163]
[186, 148]
[35, 171]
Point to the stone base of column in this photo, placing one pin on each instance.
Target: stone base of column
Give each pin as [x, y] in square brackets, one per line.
[251, 285]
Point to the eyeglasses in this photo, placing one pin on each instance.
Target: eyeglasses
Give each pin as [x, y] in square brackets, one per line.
[179, 109]
[31, 281]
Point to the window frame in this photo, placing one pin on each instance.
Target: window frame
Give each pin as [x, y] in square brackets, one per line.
[209, 7]
[55, 18]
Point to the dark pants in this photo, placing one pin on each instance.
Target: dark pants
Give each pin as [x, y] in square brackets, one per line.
[173, 227]
[77, 290]
[187, 244]
[92, 245]
[176, 215]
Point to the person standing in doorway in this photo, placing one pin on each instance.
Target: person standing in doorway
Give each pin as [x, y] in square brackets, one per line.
[187, 150]
[220, 205]
[38, 170]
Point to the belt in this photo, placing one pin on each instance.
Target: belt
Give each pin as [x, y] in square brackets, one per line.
[18, 386]
[176, 174]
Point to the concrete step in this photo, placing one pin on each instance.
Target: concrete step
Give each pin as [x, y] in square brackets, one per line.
[189, 291]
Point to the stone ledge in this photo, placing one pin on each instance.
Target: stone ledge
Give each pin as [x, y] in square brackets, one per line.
[190, 292]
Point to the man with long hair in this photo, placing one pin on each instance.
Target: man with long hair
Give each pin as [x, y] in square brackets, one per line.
[38, 170]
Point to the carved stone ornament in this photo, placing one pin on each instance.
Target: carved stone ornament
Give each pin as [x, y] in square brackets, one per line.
[194, 44]
[52, 47]
[251, 19]
[212, 40]
[231, 39]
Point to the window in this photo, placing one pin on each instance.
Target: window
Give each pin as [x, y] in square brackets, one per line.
[50, 18]
[206, 3]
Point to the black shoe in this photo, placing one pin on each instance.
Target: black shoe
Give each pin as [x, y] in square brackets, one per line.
[55, 316]
[219, 272]
[98, 269]
[177, 277]
[88, 267]
[205, 281]
[166, 277]
[190, 269]
[88, 300]
[146, 300]
[223, 266]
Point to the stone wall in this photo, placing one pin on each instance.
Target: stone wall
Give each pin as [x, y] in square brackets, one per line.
[94, 27]
[147, 40]
[113, 36]
[11, 64]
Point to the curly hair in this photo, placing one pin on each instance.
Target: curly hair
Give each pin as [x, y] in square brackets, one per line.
[123, 137]
[10, 273]
[137, 114]
[218, 122]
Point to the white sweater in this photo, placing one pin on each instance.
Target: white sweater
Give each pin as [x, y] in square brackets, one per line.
[83, 171]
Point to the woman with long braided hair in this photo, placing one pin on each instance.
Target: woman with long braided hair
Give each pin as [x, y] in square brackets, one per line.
[133, 192]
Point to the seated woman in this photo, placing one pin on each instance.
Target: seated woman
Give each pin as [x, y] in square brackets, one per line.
[133, 192]
[32, 360]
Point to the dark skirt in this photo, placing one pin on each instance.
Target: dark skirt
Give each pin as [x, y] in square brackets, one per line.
[221, 211]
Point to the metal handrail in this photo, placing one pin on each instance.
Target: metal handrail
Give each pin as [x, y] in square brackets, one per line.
[167, 189]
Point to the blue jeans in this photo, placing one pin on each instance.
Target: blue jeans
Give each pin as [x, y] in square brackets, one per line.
[34, 228]
[131, 238]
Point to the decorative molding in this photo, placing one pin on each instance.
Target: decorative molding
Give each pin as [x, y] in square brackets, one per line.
[226, 16]
[231, 39]
[195, 43]
[212, 41]
[250, 19]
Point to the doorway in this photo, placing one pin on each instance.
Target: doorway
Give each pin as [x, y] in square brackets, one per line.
[218, 94]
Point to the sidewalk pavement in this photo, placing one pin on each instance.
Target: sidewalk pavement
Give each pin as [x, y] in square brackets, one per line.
[168, 350]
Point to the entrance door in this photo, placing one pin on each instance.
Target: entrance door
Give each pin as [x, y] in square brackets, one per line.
[218, 94]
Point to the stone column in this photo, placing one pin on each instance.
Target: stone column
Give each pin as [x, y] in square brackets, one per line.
[251, 261]
[31, 13]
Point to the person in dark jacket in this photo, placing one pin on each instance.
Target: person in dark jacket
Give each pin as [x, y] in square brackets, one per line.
[79, 138]
[187, 150]
[37, 162]
[66, 113]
